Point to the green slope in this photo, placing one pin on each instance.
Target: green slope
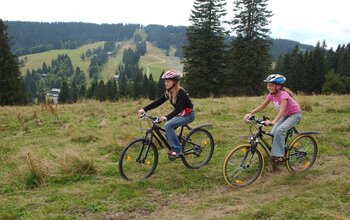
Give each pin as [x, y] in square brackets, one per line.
[61, 163]
[153, 62]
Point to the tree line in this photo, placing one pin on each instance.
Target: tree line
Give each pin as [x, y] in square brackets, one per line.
[35, 37]
[213, 65]
[214, 69]
[317, 71]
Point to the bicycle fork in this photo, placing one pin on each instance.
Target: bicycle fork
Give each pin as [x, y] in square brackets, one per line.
[144, 150]
[247, 161]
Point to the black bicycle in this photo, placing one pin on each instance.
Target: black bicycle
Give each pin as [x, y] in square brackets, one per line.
[245, 163]
[139, 158]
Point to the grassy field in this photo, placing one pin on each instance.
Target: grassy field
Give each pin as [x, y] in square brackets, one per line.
[61, 163]
[153, 62]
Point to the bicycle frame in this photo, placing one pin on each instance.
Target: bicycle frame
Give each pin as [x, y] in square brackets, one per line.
[155, 129]
[258, 138]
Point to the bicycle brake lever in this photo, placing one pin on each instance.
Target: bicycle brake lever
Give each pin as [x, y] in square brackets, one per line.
[156, 121]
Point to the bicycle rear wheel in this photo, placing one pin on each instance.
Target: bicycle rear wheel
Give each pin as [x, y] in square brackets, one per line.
[138, 160]
[198, 149]
[242, 167]
[302, 153]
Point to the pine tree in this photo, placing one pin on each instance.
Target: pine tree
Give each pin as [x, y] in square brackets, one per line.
[315, 75]
[249, 60]
[12, 90]
[293, 67]
[64, 95]
[204, 54]
[152, 88]
[160, 86]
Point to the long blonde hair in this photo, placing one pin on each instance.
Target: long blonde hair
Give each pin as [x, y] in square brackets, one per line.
[172, 93]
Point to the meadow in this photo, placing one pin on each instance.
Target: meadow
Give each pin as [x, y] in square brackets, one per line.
[60, 162]
[153, 62]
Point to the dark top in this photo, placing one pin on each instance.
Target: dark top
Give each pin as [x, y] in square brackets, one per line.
[182, 102]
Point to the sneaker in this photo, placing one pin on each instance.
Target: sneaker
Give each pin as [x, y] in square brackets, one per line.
[277, 160]
[174, 153]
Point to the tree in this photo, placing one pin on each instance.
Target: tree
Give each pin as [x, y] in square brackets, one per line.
[249, 59]
[64, 95]
[11, 83]
[152, 88]
[160, 87]
[315, 75]
[204, 62]
[82, 57]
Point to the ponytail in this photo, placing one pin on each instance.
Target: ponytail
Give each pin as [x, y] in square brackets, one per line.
[289, 91]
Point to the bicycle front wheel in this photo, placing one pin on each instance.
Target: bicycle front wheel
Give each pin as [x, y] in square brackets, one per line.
[198, 149]
[302, 153]
[242, 167]
[138, 160]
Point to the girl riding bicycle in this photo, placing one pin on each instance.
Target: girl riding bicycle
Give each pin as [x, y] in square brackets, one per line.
[288, 116]
[182, 114]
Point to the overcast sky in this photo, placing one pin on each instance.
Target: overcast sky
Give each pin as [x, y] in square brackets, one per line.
[306, 21]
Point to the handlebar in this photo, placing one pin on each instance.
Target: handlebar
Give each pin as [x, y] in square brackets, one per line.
[260, 122]
[154, 119]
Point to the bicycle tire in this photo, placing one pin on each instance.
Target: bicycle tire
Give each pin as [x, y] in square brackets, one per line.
[130, 168]
[236, 172]
[198, 148]
[302, 153]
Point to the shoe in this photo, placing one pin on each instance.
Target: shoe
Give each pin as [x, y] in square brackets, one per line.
[277, 160]
[175, 153]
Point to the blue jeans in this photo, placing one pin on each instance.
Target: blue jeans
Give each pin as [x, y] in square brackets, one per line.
[170, 127]
[279, 132]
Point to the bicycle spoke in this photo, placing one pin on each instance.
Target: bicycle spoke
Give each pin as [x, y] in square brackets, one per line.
[138, 160]
[302, 154]
[198, 148]
[242, 167]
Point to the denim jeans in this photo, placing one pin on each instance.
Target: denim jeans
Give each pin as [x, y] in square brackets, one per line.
[279, 132]
[170, 127]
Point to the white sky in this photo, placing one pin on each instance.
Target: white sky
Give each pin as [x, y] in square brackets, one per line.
[306, 21]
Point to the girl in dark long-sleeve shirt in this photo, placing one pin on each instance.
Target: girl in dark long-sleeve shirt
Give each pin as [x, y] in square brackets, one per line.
[181, 115]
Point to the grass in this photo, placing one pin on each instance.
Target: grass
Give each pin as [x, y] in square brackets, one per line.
[35, 61]
[72, 168]
[154, 61]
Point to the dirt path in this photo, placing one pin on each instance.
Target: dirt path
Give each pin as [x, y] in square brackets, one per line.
[148, 64]
[225, 202]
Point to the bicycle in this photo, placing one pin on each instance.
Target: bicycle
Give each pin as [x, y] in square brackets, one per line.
[245, 163]
[139, 159]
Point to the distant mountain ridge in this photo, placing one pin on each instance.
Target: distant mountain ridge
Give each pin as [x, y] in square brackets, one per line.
[35, 37]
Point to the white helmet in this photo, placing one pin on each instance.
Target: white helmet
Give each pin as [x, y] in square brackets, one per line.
[275, 78]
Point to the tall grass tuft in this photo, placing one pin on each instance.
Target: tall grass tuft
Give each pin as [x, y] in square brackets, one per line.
[75, 162]
[37, 175]
[305, 102]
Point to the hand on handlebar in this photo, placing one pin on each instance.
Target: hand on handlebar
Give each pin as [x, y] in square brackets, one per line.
[141, 113]
[268, 123]
[247, 117]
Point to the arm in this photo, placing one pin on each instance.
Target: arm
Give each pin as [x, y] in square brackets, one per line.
[257, 109]
[279, 114]
[153, 105]
[156, 103]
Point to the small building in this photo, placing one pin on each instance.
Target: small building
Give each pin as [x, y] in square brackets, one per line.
[53, 94]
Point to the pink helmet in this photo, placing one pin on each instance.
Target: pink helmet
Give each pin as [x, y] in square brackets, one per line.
[172, 75]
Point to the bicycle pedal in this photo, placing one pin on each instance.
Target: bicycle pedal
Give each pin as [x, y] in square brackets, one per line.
[171, 157]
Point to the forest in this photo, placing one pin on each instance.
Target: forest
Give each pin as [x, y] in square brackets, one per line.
[226, 64]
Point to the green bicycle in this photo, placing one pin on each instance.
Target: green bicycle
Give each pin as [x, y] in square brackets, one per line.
[245, 163]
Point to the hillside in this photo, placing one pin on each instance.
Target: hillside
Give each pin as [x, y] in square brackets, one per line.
[61, 163]
[153, 62]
